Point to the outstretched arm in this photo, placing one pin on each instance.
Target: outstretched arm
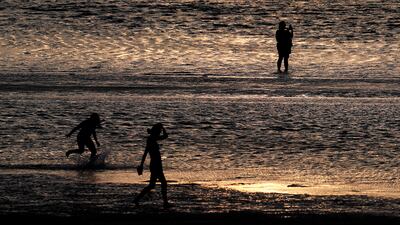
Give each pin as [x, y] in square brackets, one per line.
[73, 130]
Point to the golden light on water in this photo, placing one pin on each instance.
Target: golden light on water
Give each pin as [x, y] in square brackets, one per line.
[323, 188]
[318, 189]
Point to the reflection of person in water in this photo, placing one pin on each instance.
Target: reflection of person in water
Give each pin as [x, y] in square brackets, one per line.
[284, 44]
[156, 168]
[87, 129]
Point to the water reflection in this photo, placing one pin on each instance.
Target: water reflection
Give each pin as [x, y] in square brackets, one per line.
[381, 190]
[204, 37]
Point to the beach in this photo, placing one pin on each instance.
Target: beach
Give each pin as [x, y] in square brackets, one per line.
[246, 144]
[45, 198]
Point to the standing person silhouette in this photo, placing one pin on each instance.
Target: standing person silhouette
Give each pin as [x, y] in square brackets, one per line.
[284, 44]
[87, 129]
[156, 169]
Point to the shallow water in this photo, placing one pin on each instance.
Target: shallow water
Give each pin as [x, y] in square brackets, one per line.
[206, 37]
[309, 140]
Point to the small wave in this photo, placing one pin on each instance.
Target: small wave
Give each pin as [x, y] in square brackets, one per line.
[64, 167]
[226, 86]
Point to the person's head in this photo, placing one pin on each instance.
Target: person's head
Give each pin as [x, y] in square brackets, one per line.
[155, 130]
[282, 25]
[96, 118]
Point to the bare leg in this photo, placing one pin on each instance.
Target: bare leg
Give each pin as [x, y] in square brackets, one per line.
[286, 63]
[164, 190]
[147, 189]
[279, 63]
[92, 149]
[81, 149]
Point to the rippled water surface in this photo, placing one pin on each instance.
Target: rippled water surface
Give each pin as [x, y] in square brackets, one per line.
[332, 38]
[338, 139]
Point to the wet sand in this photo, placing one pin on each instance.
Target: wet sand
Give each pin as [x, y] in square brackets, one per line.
[209, 218]
[52, 199]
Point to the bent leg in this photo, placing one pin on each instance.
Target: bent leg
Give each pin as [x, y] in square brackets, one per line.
[80, 150]
[89, 143]
[147, 189]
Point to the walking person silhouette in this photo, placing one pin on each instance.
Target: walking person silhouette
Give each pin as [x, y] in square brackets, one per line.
[284, 44]
[156, 169]
[87, 129]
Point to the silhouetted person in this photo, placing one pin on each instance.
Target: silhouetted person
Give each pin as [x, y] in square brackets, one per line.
[156, 168]
[87, 129]
[284, 44]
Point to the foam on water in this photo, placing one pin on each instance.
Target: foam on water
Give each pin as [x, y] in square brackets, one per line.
[98, 163]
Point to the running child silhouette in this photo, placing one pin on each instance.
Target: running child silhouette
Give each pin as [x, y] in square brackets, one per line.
[156, 169]
[87, 129]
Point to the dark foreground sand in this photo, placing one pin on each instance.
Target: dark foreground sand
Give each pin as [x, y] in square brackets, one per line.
[205, 218]
[41, 198]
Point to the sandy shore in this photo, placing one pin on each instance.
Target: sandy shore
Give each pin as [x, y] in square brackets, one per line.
[206, 218]
[50, 198]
